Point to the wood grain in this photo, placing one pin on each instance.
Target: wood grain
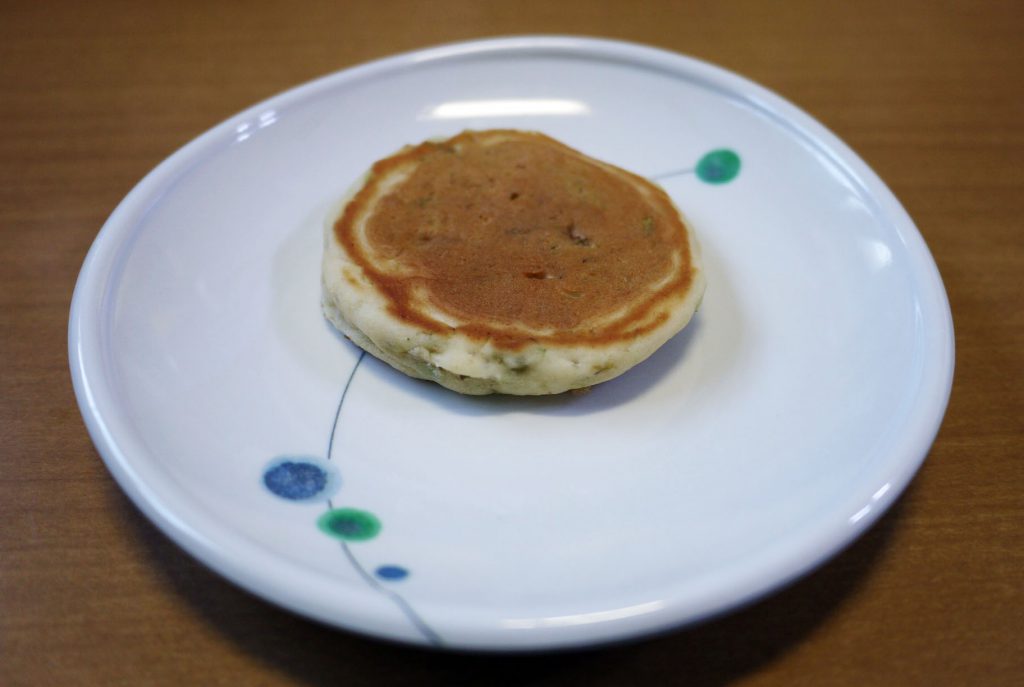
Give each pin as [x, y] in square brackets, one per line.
[93, 95]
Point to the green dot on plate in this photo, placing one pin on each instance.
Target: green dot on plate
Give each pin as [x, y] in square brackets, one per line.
[719, 166]
[349, 524]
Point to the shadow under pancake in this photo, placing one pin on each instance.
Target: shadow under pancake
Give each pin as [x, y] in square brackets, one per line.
[712, 653]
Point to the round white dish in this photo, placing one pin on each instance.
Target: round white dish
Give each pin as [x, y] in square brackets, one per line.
[770, 433]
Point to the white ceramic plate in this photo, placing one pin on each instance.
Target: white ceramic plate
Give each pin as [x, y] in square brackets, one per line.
[760, 441]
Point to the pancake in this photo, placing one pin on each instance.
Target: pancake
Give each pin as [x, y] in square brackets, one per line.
[504, 261]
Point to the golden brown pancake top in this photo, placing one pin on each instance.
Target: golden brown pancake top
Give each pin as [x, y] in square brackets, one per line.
[513, 234]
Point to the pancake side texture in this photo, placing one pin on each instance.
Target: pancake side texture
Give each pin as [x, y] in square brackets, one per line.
[505, 261]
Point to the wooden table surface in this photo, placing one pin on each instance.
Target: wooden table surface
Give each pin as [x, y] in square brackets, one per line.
[94, 94]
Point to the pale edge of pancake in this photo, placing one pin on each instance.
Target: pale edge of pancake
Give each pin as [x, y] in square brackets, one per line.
[470, 366]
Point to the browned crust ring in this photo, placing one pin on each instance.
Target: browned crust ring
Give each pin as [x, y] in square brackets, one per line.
[641, 320]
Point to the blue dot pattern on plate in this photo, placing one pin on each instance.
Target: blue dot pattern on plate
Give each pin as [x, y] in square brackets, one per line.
[392, 573]
[300, 479]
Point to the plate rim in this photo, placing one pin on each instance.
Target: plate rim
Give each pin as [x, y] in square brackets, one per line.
[99, 272]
